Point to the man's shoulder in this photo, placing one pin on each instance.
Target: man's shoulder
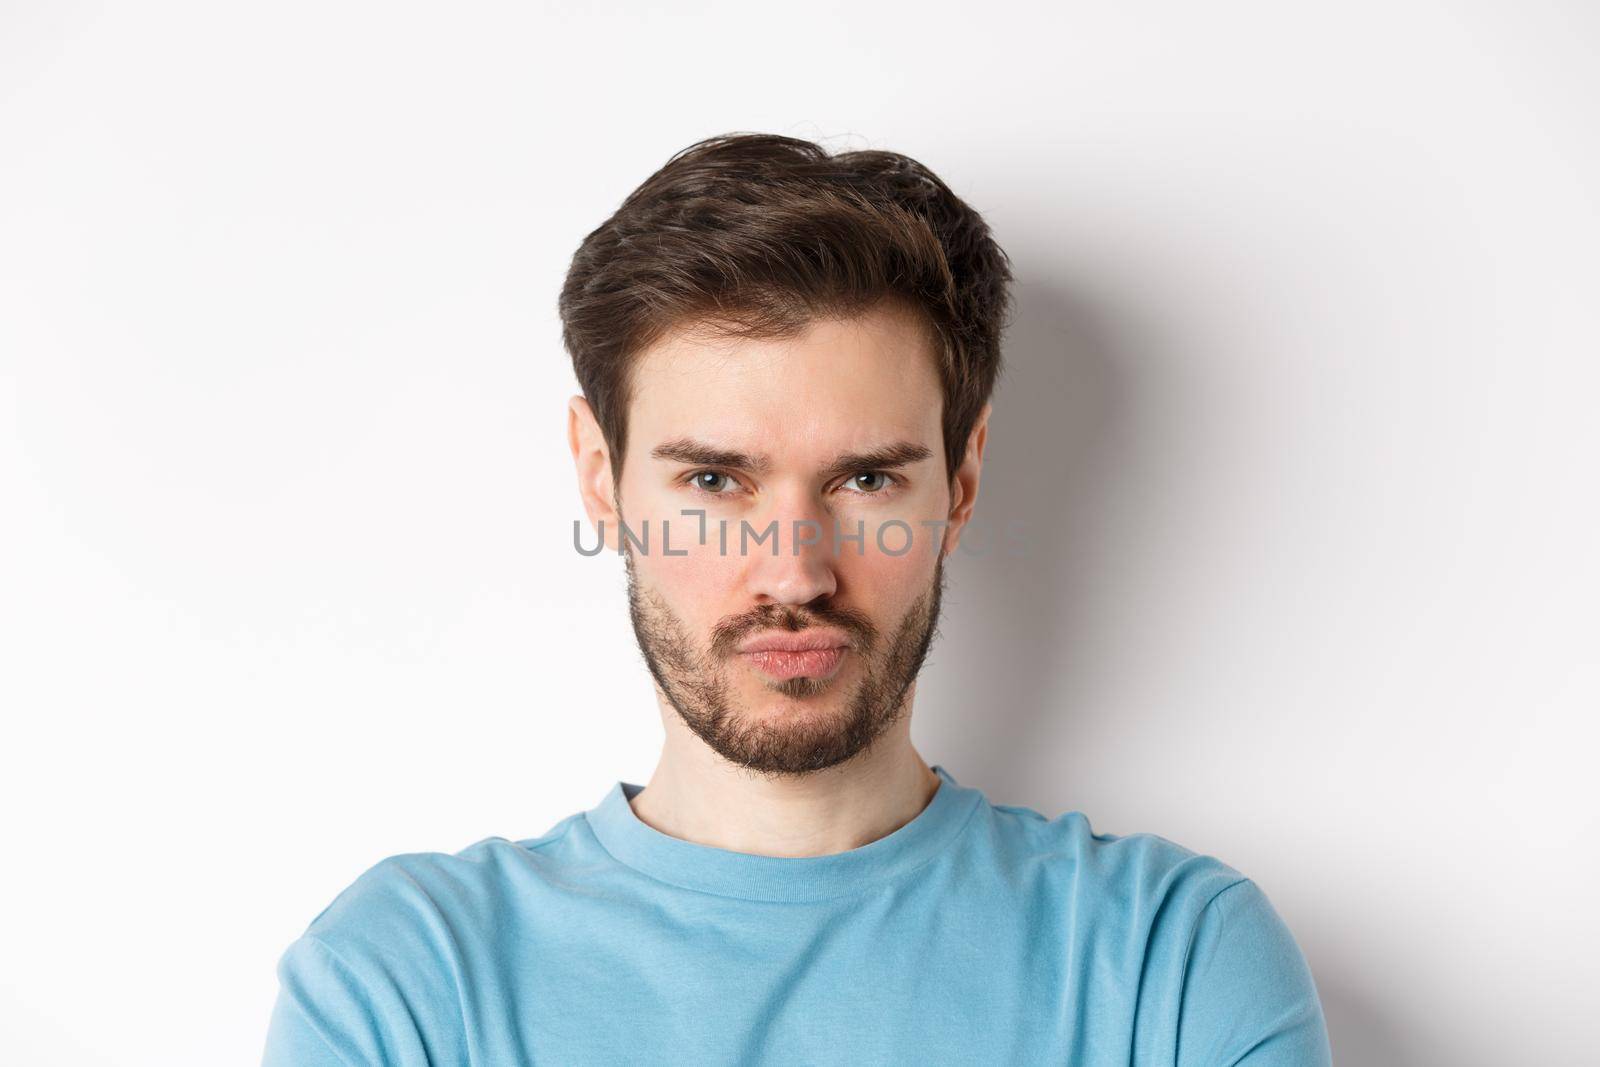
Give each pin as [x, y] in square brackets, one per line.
[1206, 943]
[1132, 868]
[375, 976]
[411, 898]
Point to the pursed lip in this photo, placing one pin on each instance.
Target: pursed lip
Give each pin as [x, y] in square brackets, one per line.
[791, 641]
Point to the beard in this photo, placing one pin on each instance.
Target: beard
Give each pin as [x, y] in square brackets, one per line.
[699, 687]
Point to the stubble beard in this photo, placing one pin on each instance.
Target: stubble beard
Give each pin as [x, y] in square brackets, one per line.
[801, 741]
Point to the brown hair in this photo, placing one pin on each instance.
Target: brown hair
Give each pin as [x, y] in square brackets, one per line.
[754, 235]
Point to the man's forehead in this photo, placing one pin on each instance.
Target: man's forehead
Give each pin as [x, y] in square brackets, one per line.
[863, 371]
[774, 430]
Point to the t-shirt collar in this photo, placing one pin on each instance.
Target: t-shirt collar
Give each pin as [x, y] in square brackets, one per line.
[781, 878]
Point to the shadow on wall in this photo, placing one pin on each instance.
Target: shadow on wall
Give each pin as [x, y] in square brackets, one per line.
[1023, 638]
[1363, 1037]
[1014, 623]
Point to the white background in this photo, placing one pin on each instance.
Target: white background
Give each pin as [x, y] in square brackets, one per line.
[1301, 408]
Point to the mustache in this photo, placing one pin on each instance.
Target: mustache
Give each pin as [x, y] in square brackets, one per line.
[727, 635]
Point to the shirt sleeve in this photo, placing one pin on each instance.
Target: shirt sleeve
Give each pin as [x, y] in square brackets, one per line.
[325, 1016]
[1248, 996]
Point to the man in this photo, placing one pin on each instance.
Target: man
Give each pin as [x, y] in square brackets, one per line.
[786, 360]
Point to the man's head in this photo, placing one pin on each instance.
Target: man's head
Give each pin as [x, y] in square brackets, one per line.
[795, 349]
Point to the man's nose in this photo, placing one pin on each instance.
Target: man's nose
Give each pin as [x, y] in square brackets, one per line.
[803, 567]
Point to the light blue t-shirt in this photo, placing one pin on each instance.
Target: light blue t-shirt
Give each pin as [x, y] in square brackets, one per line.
[974, 934]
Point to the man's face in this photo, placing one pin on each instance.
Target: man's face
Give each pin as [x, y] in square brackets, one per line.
[792, 409]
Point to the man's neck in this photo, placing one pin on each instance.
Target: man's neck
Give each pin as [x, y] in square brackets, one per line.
[697, 796]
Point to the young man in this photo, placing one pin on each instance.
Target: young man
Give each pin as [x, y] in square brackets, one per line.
[786, 360]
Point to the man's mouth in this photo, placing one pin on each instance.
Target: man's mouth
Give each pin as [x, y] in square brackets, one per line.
[797, 663]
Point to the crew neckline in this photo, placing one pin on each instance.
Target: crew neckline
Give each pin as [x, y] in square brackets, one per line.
[789, 879]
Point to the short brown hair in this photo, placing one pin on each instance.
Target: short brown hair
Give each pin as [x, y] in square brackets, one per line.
[755, 235]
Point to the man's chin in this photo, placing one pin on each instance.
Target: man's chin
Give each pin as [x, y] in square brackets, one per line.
[817, 691]
[796, 697]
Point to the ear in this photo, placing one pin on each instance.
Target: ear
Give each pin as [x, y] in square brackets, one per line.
[964, 483]
[593, 461]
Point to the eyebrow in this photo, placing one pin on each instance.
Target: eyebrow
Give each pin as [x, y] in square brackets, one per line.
[887, 457]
